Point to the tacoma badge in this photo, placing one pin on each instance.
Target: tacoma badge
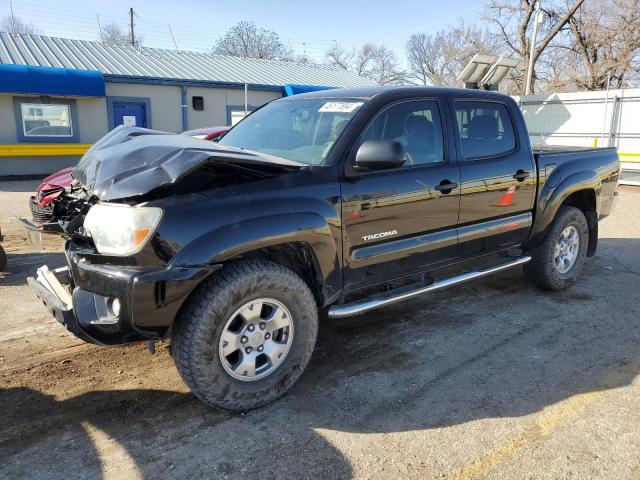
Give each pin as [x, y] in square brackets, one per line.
[375, 236]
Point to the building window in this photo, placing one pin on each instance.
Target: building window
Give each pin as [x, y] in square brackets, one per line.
[236, 116]
[51, 120]
[46, 120]
[197, 103]
[235, 113]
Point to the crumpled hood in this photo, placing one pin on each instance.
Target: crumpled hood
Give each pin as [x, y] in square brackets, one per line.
[133, 161]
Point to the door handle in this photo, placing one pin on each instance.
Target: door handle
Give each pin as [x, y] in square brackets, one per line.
[446, 186]
[521, 175]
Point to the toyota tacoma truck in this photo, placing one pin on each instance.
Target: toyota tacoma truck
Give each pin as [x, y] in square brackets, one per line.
[322, 205]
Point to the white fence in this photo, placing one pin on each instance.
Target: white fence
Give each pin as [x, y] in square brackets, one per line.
[588, 119]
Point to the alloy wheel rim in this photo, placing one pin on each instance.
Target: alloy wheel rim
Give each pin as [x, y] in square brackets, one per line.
[566, 250]
[256, 339]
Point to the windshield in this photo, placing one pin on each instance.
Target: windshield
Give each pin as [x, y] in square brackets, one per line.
[302, 130]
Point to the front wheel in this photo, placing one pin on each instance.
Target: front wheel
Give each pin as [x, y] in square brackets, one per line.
[557, 261]
[246, 335]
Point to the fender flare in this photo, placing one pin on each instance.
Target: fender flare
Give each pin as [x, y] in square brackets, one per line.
[553, 196]
[311, 229]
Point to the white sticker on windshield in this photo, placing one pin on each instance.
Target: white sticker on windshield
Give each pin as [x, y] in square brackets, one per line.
[340, 107]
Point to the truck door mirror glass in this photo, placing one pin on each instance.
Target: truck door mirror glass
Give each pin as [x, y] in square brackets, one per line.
[380, 155]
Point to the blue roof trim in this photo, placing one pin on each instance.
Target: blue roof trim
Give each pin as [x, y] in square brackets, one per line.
[290, 89]
[26, 79]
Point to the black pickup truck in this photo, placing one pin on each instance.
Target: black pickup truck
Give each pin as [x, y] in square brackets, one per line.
[328, 204]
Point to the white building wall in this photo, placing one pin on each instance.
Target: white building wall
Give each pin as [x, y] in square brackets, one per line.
[216, 101]
[92, 117]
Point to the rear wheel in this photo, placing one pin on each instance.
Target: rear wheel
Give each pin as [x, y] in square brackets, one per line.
[557, 261]
[246, 335]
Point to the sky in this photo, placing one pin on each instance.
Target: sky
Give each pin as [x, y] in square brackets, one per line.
[309, 27]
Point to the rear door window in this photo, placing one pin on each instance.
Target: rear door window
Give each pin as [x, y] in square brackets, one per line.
[485, 129]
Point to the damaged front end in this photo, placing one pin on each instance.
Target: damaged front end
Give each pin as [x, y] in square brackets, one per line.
[109, 304]
[120, 285]
[61, 216]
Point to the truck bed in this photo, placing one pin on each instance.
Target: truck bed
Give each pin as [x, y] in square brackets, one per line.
[604, 160]
[539, 150]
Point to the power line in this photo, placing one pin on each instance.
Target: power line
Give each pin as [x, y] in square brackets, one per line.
[435, 22]
[63, 22]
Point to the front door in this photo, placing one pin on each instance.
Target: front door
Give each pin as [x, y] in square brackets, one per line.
[131, 114]
[401, 221]
[498, 178]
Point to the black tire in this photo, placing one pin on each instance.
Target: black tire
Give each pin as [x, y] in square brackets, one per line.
[3, 259]
[541, 270]
[196, 334]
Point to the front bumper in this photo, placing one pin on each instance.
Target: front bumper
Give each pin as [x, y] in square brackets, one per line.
[81, 295]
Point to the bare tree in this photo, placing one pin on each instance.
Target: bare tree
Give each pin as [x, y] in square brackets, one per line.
[514, 19]
[385, 68]
[375, 62]
[246, 40]
[438, 59]
[299, 58]
[606, 44]
[339, 57]
[113, 34]
[426, 59]
[291, 55]
[14, 25]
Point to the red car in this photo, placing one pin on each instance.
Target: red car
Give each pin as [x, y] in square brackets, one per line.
[207, 133]
[46, 207]
[43, 203]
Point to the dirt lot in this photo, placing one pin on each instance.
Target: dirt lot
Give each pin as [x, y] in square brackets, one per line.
[494, 379]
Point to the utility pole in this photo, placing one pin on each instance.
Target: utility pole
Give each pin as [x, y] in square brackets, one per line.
[100, 28]
[532, 49]
[173, 38]
[133, 36]
[13, 20]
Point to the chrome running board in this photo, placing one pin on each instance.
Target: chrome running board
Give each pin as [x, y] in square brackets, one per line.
[357, 308]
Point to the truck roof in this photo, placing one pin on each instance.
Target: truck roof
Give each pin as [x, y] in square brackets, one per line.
[370, 92]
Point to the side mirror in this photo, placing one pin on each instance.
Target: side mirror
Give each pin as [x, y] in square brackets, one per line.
[380, 155]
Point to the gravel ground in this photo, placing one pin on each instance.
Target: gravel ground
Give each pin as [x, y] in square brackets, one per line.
[493, 379]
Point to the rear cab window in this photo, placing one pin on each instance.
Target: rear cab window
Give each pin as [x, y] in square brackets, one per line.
[485, 129]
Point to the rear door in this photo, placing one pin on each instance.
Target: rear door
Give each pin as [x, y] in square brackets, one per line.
[497, 177]
[401, 221]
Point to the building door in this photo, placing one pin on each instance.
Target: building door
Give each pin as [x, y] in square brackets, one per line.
[131, 114]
